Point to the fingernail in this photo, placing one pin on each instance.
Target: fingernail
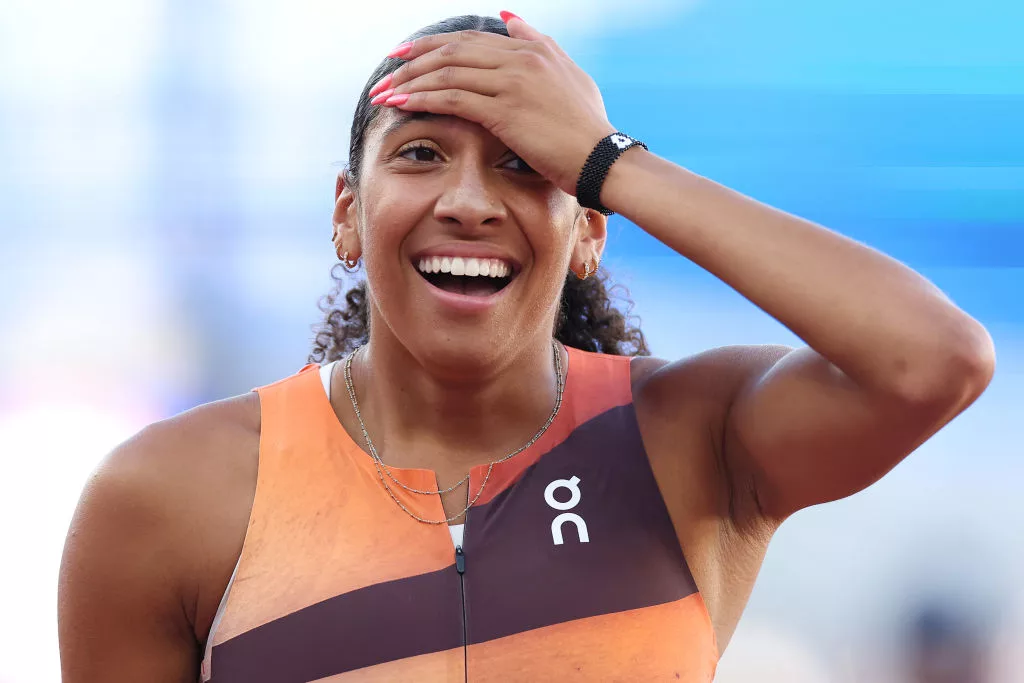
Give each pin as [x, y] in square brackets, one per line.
[380, 85]
[382, 97]
[507, 16]
[396, 100]
[400, 50]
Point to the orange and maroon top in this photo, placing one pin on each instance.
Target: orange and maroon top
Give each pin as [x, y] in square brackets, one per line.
[569, 568]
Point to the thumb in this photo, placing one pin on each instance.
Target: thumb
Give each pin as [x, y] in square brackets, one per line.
[517, 28]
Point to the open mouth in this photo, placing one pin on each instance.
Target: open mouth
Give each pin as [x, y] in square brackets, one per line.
[478, 277]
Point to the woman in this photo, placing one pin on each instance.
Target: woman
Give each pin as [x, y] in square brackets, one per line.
[616, 508]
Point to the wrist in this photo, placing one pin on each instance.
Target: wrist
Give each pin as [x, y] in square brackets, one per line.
[631, 167]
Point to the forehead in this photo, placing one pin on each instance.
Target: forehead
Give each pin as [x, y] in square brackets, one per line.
[391, 121]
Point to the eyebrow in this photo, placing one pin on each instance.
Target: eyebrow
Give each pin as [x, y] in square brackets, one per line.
[410, 117]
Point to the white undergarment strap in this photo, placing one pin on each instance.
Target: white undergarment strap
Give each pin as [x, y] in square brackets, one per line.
[325, 377]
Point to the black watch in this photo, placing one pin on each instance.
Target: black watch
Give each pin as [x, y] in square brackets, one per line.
[595, 169]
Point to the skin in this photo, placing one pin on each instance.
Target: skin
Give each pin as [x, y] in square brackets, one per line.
[739, 438]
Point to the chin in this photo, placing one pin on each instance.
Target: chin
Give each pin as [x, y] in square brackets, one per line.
[469, 355]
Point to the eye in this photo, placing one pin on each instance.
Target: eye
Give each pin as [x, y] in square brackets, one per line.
[419, 152]
[517, 164]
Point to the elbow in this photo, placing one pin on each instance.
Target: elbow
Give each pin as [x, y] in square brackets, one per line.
[976, 364]
[955, 372]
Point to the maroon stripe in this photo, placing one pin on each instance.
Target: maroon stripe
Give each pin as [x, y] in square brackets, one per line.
[517, 579]
[376, 624]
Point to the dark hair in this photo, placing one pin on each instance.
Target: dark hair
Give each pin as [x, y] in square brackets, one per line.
[587, 319]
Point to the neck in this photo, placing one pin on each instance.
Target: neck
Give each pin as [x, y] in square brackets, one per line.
[438, 418]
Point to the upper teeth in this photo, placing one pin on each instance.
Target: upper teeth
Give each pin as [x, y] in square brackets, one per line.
[460, 265]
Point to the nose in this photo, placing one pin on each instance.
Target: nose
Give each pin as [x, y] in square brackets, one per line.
[470, 198]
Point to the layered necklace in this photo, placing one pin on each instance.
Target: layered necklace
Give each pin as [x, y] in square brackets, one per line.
[383, 469]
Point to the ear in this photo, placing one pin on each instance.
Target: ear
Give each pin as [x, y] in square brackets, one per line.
[346, 221]
[592, 231]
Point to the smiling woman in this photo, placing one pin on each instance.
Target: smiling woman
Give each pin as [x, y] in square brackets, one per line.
[477, 478]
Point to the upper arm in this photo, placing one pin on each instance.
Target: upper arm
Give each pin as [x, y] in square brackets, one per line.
[786, 429]
[121, 612]
[798, 431]
[152, 545]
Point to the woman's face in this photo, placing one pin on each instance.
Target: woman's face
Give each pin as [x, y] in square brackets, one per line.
[465, 247]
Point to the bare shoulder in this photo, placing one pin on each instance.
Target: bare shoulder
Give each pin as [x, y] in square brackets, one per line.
[682, 408]
[153, 543]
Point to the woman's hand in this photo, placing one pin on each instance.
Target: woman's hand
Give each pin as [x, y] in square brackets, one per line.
[524, 89]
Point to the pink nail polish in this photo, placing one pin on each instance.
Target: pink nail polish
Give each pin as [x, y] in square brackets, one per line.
[402, 49]
[382, 97]
[396, 100]
[380, 85]
[507, 16]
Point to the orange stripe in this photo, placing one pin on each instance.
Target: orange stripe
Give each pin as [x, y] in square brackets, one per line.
[320, 526]
[610, 647]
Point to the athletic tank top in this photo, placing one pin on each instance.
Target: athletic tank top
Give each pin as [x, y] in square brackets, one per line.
[569, 567]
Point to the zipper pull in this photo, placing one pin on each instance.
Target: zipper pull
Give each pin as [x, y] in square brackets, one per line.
[460, 560]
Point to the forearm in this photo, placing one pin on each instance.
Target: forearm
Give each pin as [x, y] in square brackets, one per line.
[882, 324]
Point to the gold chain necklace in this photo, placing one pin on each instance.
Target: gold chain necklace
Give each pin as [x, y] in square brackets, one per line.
[383, 469]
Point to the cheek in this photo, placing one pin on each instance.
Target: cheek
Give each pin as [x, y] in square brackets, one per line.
[387, 216]
[553, 231]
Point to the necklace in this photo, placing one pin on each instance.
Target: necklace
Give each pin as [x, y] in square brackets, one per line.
[383, 469]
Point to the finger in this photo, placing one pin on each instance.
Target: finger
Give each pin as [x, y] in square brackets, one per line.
[462, 103]
[518, 28]
[480, 81]
[421, 46]
[475, 55]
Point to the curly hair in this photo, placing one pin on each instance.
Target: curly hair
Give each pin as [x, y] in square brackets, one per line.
[587, 319]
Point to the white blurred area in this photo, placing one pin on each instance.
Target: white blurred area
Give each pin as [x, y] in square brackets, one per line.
[166, 189]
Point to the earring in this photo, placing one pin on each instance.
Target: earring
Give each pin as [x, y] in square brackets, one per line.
[586, 271]
[349, 263]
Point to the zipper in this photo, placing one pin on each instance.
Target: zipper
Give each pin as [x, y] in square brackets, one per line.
[460, 564]
[460, 567]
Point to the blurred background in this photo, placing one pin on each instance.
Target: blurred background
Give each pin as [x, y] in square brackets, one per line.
[166, 185]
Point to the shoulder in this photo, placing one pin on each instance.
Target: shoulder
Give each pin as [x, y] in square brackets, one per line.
[682, 407]
[201, 441]
[717, 372]
[178, 461]
[180, 490]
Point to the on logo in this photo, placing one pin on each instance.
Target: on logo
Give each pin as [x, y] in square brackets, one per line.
[574, 499]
